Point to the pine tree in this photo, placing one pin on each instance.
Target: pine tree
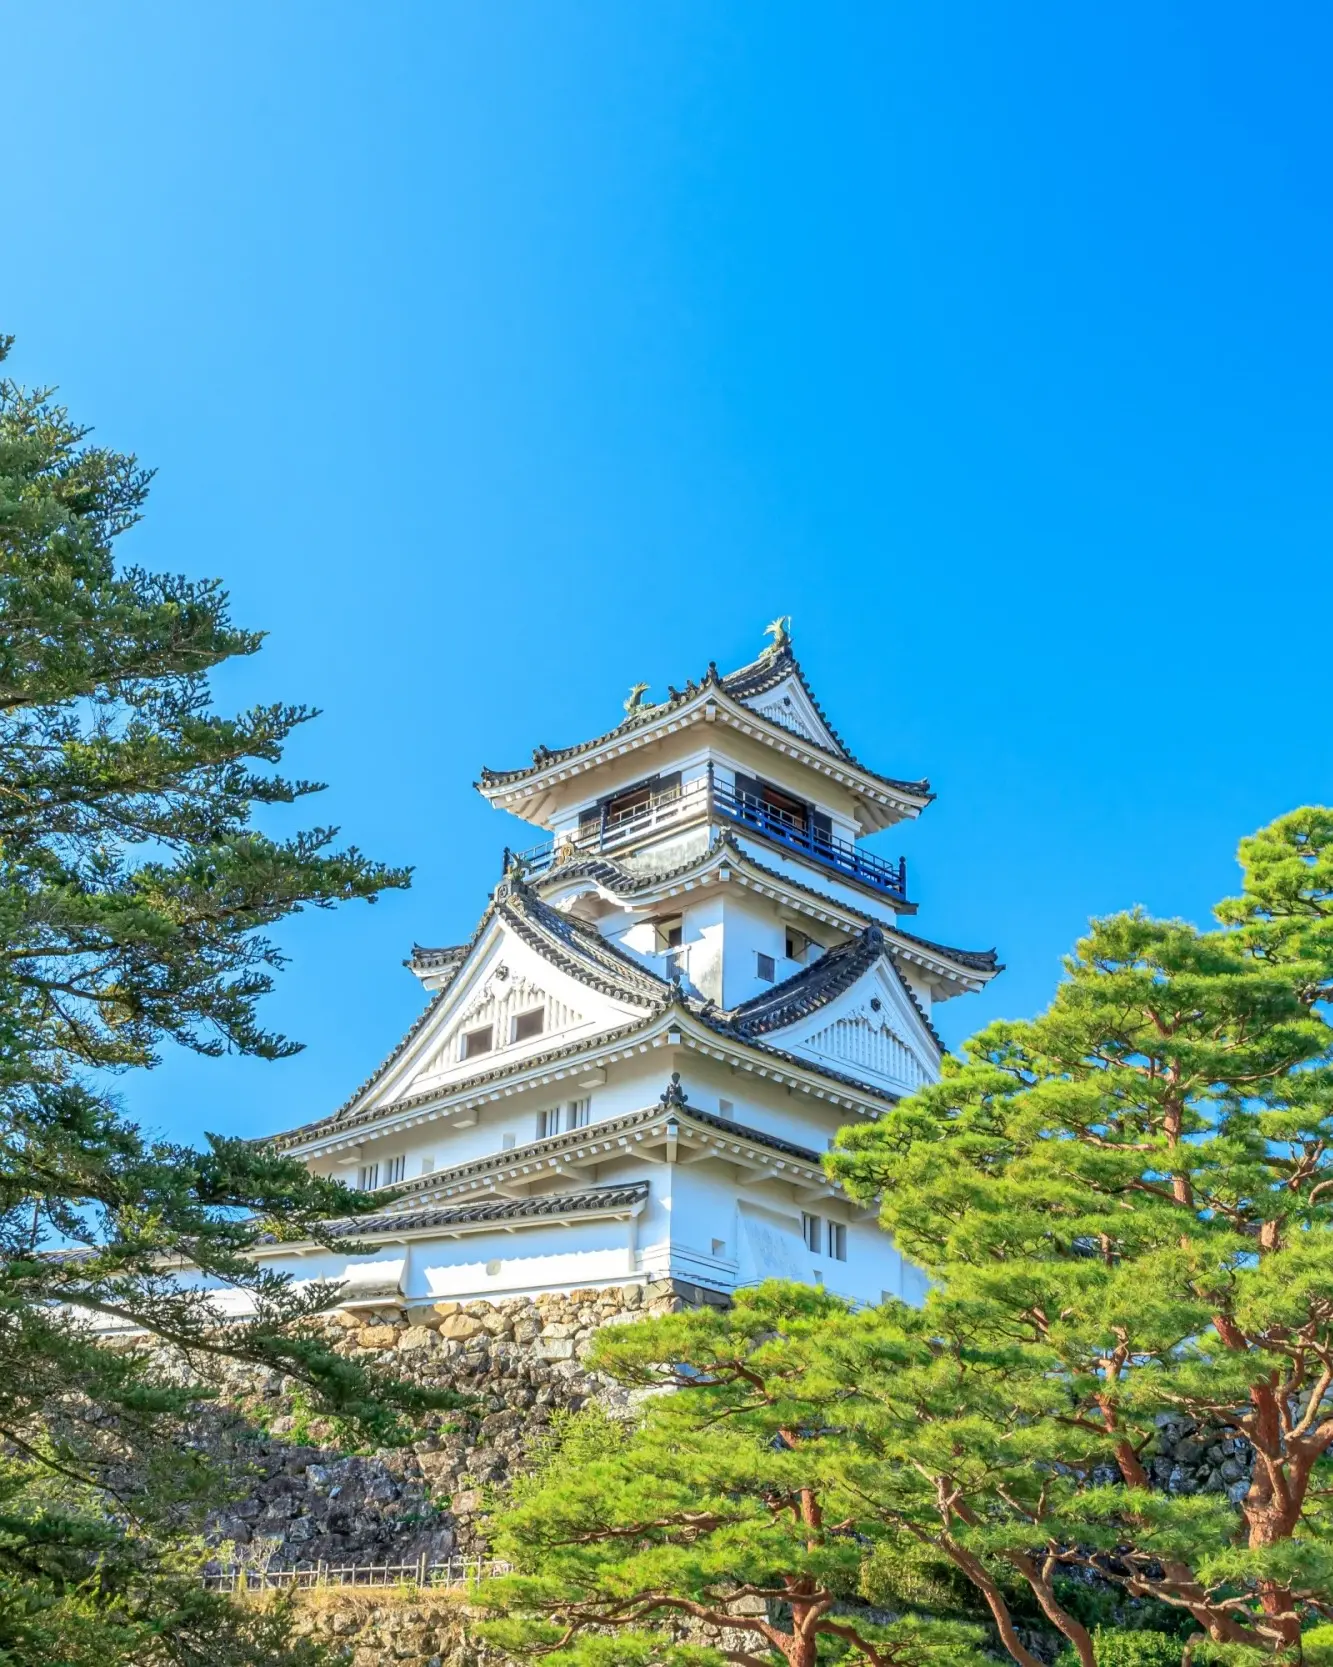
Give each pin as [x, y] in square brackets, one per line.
[1125, 1206]
[137, 891]
[726, 1523]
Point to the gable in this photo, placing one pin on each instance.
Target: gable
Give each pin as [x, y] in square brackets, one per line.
[872, 1030]
[502, 980]
[791, 708]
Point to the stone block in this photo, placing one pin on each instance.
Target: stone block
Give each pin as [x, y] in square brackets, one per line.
[555, 1348]
[377, 1337]
[419, 1337]
[466, 1503]
[555, 1328]
[460, 1327]
[423, 1315]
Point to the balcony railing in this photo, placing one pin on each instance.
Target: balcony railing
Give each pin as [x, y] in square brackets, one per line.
[705, 799]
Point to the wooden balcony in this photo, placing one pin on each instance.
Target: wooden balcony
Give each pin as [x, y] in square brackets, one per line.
[792, 830]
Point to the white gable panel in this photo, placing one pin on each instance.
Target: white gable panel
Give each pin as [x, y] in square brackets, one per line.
[790, 706]
[503, 978]
[871, 1031]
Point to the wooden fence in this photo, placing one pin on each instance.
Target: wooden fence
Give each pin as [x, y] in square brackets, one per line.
[457, 1571]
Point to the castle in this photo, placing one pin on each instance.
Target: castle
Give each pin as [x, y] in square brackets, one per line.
[631, 1069]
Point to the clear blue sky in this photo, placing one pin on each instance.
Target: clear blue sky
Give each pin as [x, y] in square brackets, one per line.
[500, 356]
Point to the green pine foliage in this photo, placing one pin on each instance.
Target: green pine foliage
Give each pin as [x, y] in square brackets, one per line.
[729, 1523]
[1126, 1207]
[138, 889]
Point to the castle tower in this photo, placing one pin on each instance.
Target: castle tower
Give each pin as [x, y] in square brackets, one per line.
[671, 1003]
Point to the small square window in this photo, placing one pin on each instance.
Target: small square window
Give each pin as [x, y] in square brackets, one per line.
[767, 967]
[837, 1241]
[507, 1143]
[819, 1278]
[427, 1166]
[812, 1232]
[726, 1109]
[478, 1041]
[719, 1247]
[527, 1025]
[670, 933]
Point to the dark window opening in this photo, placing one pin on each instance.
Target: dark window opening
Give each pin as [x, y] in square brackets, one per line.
[767, 968]
[767, 803]
[529, 1024]
[478, 1041]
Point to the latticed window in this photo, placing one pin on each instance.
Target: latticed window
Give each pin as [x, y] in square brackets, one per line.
[368, 1177]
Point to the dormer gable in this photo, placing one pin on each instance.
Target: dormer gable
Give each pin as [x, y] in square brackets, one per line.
[531, 980]
[790, 707]
[852, 1011]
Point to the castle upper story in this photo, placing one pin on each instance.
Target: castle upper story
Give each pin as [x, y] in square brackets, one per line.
[703, 907]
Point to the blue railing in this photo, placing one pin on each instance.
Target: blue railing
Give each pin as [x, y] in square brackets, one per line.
[749, 812]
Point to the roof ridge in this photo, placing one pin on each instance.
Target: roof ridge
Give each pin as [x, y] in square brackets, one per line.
[811, 988]
[490, 1209]
[782, 662]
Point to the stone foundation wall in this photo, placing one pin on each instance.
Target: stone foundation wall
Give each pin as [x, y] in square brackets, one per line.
[520, 1359]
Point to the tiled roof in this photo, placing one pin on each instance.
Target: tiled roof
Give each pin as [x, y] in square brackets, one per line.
[623, 880]
[572, 945]
[981, 960]
[755, 1137]
[580, 949]
[743, 684]
[437, 960]
[811, 988]
[446, 1216]
[566, 1146]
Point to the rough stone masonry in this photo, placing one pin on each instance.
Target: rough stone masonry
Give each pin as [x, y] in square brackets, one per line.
[519, 1360]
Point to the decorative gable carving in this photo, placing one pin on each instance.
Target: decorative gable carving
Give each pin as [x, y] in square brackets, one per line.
[498, 1003]
[791, 709]
[781, 709]
[867, 1042]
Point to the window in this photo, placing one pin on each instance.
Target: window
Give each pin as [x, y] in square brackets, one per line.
[811, 1232]
[395, 1169]
[719, 1247]
[769, 807]
[368, 1177]
[767, 968]
[507, 1143]
[427, 1166]
[578, 1113]
[548, 1123]
[837, 1241]
[802, 948]
[669, 932]
[529, 1024]
[481, 1040]
[726, 1109]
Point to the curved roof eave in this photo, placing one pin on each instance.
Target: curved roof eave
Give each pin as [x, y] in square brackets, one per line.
[552, 763]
